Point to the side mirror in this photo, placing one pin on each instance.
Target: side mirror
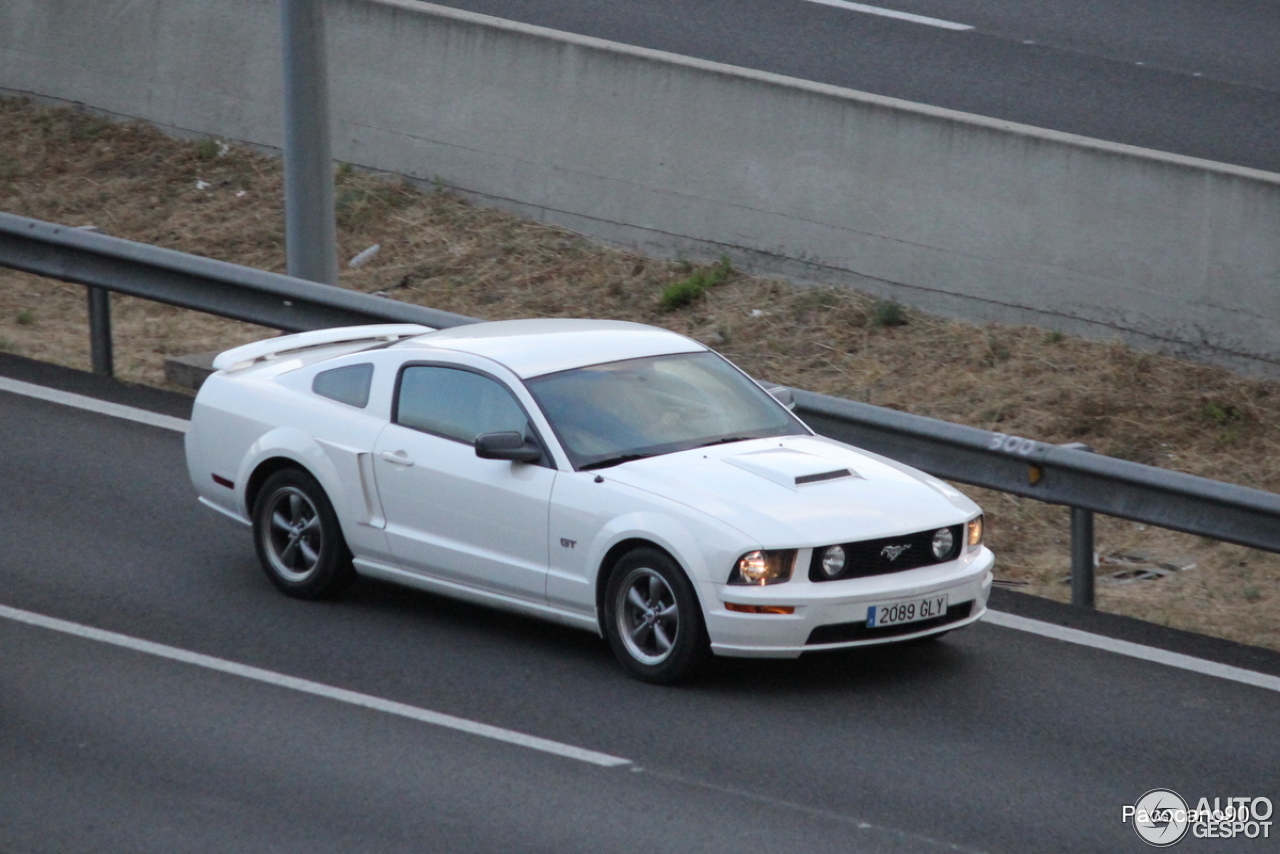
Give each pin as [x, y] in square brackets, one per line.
[507, 445]
[784, 395]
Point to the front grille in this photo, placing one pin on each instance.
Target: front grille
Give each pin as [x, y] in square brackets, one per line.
[845, 632]
[871, 557]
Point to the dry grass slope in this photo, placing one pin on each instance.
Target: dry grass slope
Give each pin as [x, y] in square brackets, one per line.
[224, 202]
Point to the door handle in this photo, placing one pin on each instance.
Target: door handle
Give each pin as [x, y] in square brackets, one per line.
[399, 458]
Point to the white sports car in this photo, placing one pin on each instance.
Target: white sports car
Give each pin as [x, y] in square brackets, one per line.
[612, 476]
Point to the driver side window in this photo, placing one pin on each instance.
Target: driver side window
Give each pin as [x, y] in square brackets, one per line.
[455, 403]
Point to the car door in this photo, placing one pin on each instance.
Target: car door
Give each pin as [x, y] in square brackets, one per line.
[450, 514]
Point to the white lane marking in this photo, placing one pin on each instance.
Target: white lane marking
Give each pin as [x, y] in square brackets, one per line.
[92, 404]
[1134, 650]
[890, 13]
[998, 618]
[316, 688]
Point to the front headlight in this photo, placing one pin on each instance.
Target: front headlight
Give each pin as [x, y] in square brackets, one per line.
[764, 567]
[973, 536]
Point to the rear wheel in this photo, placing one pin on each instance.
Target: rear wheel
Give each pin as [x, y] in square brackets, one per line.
[298, 538]
[653, 621]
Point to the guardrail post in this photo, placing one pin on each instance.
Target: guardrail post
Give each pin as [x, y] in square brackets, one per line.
[1082, 578]
[100, 355]
[1082, 557]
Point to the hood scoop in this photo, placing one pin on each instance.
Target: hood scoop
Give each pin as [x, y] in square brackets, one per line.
[791, 468]
[834, 474]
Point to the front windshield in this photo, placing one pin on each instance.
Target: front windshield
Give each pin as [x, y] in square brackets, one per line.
[609, 414]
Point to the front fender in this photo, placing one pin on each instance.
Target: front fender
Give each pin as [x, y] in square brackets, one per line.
[705, 550]
[593, 515]
[664, 531]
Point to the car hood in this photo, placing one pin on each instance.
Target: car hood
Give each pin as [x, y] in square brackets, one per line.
[794, 491]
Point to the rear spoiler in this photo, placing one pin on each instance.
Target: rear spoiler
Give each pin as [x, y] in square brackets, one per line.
[242, 357]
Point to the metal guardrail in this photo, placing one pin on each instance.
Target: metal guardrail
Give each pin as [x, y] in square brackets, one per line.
[106, 263]
[1067, 475]
[1056, 474]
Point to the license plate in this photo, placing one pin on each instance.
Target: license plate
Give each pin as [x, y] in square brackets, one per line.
[908, 611]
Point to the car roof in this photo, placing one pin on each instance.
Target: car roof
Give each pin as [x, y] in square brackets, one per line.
[532, 348]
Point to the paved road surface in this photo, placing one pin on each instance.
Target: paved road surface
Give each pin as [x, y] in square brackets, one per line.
[992, 740]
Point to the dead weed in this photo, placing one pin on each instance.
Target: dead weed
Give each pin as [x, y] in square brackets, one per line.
[210, 198]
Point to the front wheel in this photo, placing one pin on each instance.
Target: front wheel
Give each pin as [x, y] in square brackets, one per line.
[298, 538]
[653, 621]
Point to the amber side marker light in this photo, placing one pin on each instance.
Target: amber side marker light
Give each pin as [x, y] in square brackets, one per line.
[760, 609]
[974, 536]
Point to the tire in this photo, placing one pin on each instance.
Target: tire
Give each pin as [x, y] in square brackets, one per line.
[298, 538]
[652, 619]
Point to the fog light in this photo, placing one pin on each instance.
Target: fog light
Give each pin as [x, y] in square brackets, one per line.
[974, 538]
[943, 542]
[833, 561]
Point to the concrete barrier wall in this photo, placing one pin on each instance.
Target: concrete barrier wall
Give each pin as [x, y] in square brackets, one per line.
[950, 212]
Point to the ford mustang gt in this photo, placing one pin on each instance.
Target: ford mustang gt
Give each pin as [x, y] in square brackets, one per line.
[611, 476]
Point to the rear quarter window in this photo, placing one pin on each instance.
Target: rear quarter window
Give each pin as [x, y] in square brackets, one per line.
[349, 385]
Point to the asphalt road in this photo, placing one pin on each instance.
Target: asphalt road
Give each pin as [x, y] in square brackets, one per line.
[991, 740]
[1193, 77]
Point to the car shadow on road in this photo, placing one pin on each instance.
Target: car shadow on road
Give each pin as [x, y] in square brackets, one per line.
[865, 668]
[560, 651]
[478, 626]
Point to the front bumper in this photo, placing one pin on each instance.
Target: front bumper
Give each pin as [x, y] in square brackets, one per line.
[832, 614]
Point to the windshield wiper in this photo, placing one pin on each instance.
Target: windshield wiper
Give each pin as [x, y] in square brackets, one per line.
[613, 461]
[626, 458]
[726, 440]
